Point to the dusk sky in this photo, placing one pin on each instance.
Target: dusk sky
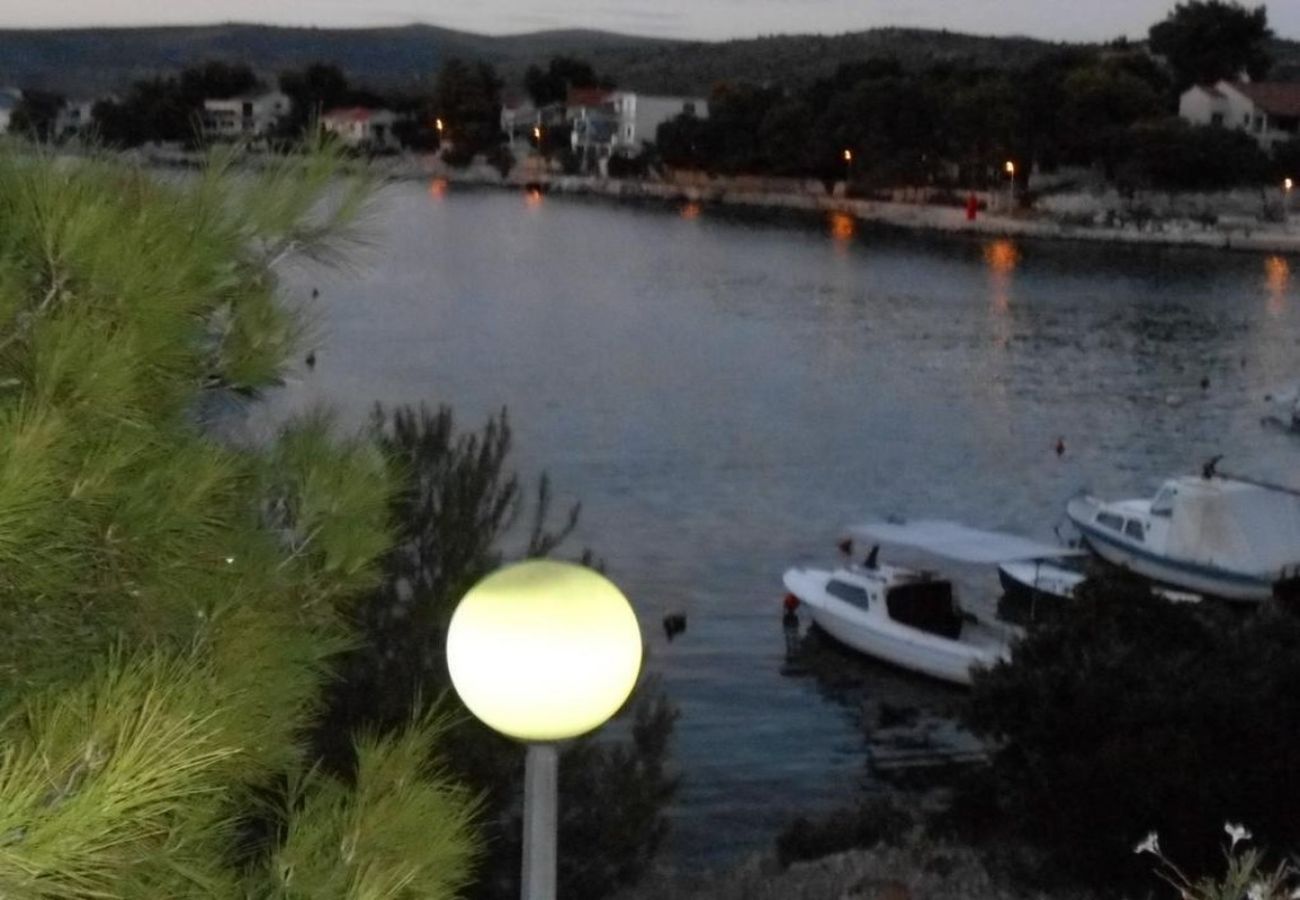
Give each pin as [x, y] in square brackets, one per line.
[1054, 19]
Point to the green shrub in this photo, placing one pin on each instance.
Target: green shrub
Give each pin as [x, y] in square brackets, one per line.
[1136, 714]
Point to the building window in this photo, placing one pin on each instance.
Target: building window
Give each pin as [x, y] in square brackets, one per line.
[1259, 123]
[849, 593]
[1133, 528]
[628, 131]
[1216, 118]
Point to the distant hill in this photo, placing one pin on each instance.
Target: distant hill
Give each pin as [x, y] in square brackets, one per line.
[95, 61]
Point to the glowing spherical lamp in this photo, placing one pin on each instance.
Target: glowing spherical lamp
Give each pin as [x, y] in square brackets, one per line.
[543, 651]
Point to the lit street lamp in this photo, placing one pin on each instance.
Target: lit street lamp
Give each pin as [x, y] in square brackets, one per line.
[543, 651]
[1287, 184]
[437, 123]
[848, 169]
[1010, 168]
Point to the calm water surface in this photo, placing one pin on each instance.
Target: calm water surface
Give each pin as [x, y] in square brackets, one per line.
[724, 396]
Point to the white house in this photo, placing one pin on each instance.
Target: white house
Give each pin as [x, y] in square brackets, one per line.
[249, 116]
[606, 123]
[640, 115]
[74, 118]
[359, 126]
[9, 100]
[1268, 111]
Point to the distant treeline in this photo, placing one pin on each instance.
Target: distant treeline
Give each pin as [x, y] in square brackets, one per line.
[1114, 108]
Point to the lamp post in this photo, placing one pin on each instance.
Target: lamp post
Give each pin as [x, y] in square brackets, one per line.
[543, 651]
[1287, 185]
[1010, 168]
[848, 170]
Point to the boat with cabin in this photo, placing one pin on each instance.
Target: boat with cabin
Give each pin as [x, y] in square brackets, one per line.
[901, 616]
[1215, 534]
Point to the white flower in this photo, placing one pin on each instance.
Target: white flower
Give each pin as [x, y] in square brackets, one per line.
[1238, 833]
[1150, 845]
[1255, 892]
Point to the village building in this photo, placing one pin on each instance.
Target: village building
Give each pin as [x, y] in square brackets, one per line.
[609, 123]
[74, 119]
[362, 127]
[247, 116]
[1267, 111]
[520, 117]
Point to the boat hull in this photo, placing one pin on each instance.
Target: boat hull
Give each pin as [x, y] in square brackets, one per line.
[1190, 576]
[899, 645]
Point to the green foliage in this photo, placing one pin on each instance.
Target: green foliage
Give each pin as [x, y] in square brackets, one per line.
[457, 502]
[1173, 155]
[170, 605]
[1246, 874]
[468, 98]
[552, 85]
[35, 115]
[1135, 714]
[1209, 40]
[1286, 160]
[314, 91]
[169, 108]
[862, 827]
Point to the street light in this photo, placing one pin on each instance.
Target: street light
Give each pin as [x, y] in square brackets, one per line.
[1010, 168]
[848, 169]
[543, 651]
[1287, 184]
[437, 123]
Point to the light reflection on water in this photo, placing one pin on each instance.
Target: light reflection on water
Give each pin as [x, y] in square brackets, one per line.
[724, 398]
[1278, 281]
[843, 228]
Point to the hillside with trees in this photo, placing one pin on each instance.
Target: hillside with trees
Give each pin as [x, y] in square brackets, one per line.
[92, 61]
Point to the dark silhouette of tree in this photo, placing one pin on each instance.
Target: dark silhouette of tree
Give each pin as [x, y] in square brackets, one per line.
[314, 91]
[216, 80]
[1133, 714]
[467, 97]
[456, 501]
[1208, 40]
[36, 114]
[552, 84]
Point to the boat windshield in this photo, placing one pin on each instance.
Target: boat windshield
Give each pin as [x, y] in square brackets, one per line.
[926, 605]
[1163, 505]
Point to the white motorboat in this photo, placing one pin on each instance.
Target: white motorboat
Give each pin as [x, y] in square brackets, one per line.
[1216, 535]
[1031, 587]
[900, 616]
[1035, 576]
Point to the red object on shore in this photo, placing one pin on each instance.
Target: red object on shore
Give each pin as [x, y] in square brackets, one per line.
[791, 603]
[972, 208]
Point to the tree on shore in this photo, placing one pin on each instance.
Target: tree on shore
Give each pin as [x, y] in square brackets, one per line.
[1134, 715]
[36, 115]
[562, 73]
[467, 97]
[170, 604]
[1209, 40]
[456, 502]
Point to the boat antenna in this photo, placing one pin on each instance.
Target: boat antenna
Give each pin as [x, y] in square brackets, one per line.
[870, 562]
[1208, 470]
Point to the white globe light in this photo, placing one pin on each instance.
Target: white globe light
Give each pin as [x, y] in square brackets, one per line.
[543, 651]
